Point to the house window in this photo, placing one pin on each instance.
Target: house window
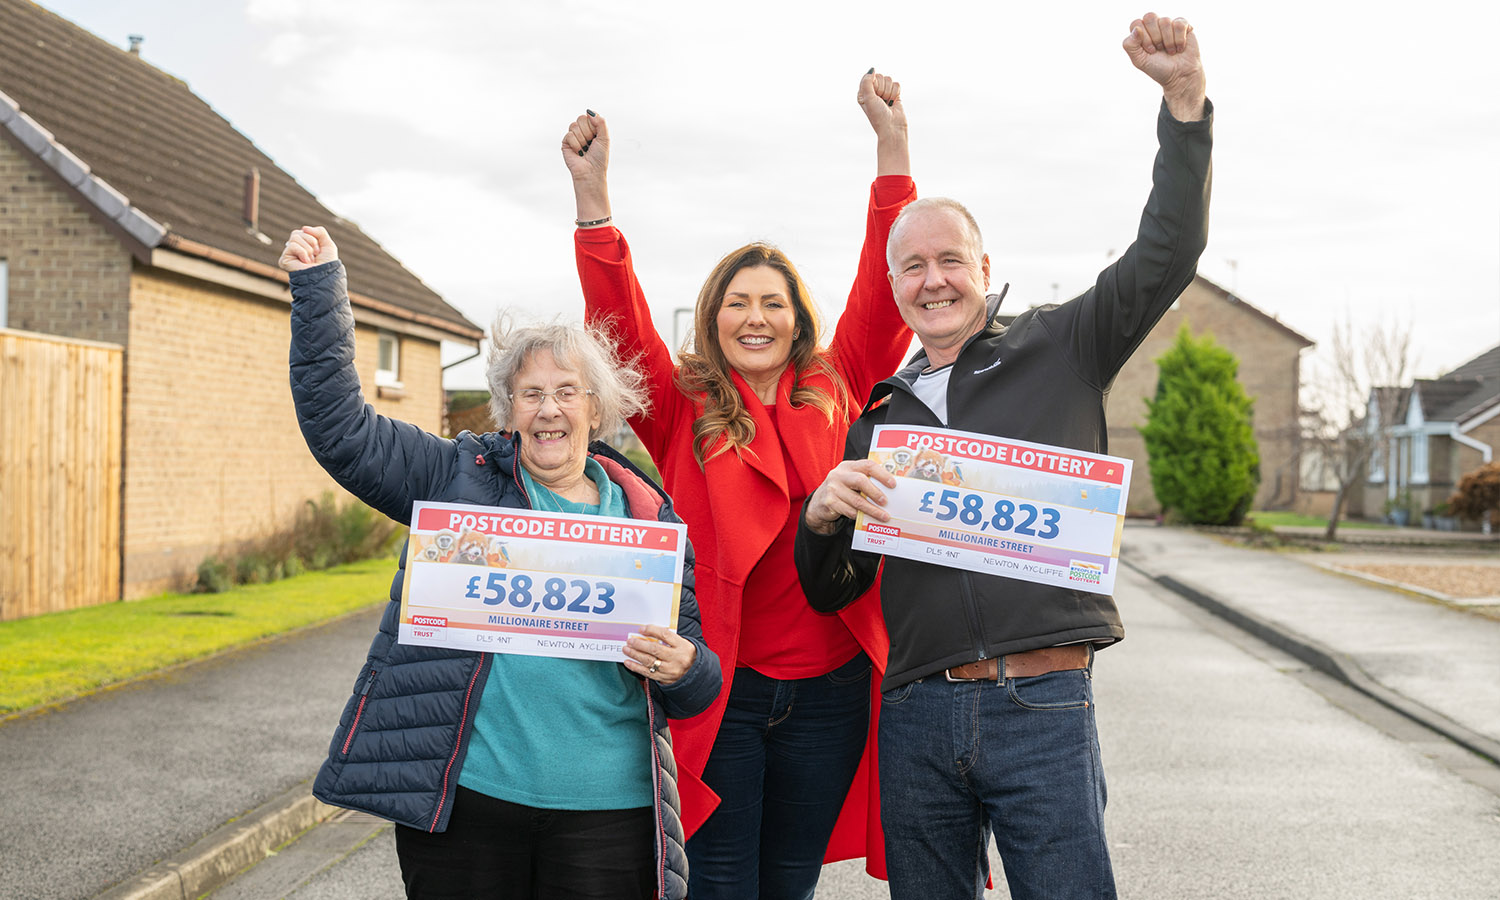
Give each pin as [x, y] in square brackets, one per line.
[388, 361]
[4, 294]
[1419, 458]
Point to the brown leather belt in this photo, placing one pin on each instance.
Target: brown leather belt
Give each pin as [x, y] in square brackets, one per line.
[1023, 665]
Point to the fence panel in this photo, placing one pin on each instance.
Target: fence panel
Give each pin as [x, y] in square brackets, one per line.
[61, 421]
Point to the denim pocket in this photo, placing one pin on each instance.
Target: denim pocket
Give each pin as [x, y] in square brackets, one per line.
[855, 670]
[897, 695]
[1068, 689]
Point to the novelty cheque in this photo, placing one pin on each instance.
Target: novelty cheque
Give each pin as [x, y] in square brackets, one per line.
[973, 501]
[541, 584]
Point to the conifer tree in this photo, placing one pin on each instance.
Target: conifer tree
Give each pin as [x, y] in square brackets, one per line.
[1204, 462]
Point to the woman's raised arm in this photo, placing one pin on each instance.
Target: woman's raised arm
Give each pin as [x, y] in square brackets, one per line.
[880, 98]
[871, 338]
[384, 462]
[612, 295]
[585, 150]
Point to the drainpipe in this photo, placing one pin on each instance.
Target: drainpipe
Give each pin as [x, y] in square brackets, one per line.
[443, 391]
[459, 362]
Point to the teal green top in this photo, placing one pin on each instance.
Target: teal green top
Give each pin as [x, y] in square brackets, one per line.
[562, 733]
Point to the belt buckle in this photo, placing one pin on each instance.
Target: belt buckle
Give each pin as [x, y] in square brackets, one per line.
[948, 674]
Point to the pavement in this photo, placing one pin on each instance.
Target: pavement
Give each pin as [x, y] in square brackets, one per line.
[165, 787]
[1430, 659]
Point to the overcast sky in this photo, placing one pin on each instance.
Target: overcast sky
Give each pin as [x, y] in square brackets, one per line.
[1356, 158]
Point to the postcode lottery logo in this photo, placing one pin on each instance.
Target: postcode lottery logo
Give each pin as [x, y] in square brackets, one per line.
[1086, 572]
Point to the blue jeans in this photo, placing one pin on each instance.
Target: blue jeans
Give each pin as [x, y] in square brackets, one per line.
[781, 765]
[1019, 757]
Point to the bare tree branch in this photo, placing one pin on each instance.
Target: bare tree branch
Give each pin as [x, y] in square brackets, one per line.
[1356, 396]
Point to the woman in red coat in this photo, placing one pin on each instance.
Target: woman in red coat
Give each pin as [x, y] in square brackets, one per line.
[743, 430]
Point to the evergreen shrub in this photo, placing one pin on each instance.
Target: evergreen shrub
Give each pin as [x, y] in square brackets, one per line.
[1200, 444]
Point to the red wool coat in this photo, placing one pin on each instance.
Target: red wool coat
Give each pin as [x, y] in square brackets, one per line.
[737, 505]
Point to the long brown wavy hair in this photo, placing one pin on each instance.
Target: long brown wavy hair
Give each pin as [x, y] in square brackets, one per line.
[705, 371]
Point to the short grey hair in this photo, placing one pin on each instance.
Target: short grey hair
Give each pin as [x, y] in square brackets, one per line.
[976, 240]
[619, 386]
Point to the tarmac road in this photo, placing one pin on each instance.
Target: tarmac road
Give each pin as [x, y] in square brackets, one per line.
[1234, 772]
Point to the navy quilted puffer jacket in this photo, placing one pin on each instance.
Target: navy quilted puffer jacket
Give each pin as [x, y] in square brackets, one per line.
[401, 740]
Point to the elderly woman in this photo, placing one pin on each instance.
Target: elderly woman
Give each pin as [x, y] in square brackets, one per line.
[777, 774]
[506, 775]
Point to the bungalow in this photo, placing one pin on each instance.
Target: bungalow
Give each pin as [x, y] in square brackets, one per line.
[132, 214]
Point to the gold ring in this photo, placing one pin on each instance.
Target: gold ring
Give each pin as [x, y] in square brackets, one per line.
[656, 664]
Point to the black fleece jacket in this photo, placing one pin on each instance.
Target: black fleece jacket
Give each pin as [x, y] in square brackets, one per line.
[1043, 379]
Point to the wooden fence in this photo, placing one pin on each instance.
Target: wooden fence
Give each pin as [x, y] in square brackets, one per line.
[61, 421]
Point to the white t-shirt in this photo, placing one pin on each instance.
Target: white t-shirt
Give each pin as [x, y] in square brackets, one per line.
[931, 387]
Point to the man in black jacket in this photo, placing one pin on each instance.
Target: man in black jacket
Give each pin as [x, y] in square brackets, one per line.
[987, 720]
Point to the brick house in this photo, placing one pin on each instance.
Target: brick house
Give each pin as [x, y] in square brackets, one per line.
[1443, 428]
[1270, 358]
[131, 213]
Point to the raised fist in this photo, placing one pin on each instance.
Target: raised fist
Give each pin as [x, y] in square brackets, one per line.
[585, 147]
[308, 246]
[1165, 49]
[880, 98]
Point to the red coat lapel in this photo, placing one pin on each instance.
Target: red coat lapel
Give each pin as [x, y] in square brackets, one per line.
[747, 494]
[804, 431]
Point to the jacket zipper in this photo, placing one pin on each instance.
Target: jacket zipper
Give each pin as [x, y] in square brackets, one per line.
[463, 719]
[971, 612]
[484, 663]
[515, 478]
[458, 741]
[359, 711]
[661, 831]
[966, 585]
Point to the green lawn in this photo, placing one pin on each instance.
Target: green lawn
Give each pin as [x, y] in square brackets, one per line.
[1274, 518]
[52, 657]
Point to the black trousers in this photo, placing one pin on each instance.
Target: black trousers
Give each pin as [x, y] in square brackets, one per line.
[495, 849]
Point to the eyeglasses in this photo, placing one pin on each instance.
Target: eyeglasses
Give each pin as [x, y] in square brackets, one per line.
[567, 396]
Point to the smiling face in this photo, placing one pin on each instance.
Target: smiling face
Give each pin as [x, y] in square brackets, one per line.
[939, 278]
[756, 326]
[554, 437]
